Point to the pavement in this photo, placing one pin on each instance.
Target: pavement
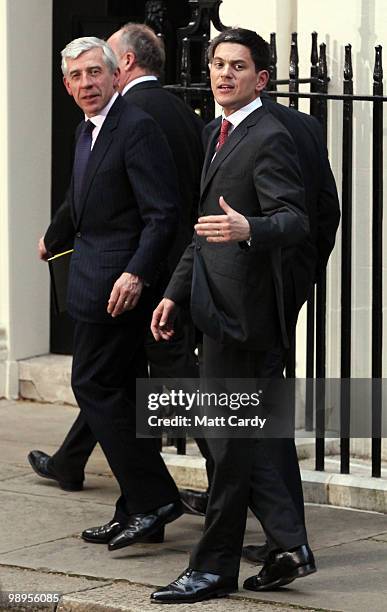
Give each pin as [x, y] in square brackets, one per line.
[41, 551]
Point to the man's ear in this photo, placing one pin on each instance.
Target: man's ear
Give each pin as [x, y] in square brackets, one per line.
[130, 60]
[262, 80]
[116, 78]
[67, 85]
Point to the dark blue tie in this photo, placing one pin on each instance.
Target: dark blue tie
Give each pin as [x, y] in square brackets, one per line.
[81, 158]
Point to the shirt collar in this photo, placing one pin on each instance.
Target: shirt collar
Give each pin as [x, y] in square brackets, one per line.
[141, 79]
[236, 118]
[99, 119]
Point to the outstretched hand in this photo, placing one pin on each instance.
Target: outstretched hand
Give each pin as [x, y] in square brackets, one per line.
[230, 227]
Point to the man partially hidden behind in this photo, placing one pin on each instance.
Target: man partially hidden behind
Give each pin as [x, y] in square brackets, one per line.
[252, 210]
[121, 213]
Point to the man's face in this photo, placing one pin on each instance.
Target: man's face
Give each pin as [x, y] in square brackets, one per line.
[90, 81]
[122, 59]
[234, 80]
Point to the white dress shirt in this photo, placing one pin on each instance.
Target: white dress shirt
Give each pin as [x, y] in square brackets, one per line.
[236, 118]
[99, 119]
[141, 79]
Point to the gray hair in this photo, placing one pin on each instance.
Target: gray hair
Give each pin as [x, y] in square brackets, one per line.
[145, 44]
[80, 45]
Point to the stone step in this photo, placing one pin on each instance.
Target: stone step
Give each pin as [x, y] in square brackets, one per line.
[356, 490]
[46, 379]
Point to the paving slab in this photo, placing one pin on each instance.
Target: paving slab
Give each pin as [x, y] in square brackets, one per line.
[8, 471]
[381, 537]
[28, 520]
[32, 425]
[148, 564]
[73, 555]
[34, 421]
[16, 580]
[98, 489]
[329, 525]
[13, 452]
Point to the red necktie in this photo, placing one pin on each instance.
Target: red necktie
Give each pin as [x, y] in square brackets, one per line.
[224, 128]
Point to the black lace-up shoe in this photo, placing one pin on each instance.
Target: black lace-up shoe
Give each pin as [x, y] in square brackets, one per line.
[40, 464]
[141, 526]
[105, 533]
[281, 568]
[192, 586]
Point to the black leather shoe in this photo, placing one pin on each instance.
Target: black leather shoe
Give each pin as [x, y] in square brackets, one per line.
[105, 533]
[141, 526]
[39, 463]
[192, 586]
[194, 502]
[102, 534]
[257, 555]
[282, 568]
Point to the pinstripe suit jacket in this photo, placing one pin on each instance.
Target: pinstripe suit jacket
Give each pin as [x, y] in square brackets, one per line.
[128, 211]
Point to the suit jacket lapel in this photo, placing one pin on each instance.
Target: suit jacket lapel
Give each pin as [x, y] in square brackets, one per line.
[231, 143]
[101, 145]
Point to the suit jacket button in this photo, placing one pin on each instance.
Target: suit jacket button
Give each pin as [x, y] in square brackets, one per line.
[78, 235]
[198, 248]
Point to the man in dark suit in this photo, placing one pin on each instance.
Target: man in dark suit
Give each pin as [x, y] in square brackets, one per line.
[140, 56]
[120, 212]
[252, 207]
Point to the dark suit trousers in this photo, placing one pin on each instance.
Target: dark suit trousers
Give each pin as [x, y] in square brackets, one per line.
[166, 360]
[105, 365]
[69, 461]
[283, 450]
[248, 470]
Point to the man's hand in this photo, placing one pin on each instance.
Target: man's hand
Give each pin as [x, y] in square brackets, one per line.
[231, 227]
[163, 319]
[125, 294]
[43, 253]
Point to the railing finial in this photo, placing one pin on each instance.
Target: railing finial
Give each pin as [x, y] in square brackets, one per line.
[378, 67]
[314, 52]
[348, 71]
